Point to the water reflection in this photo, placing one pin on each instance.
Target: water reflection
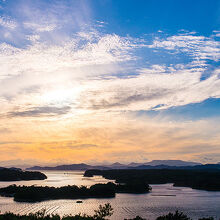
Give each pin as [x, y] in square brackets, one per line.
[164, 198]
[60, 178]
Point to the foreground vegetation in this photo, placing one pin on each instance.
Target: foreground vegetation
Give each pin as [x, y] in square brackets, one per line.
[196, 179]
[40, 193]
[103, 213]
[17, 175]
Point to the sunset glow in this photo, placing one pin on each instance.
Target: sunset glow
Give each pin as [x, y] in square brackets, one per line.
[80, 82]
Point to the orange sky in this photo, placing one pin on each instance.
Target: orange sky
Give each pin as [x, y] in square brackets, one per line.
[75, 88]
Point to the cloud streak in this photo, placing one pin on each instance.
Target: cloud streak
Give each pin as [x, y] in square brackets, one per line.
[40, 111]
[64, 64]
[199, 47]
[91, 62]
[147, 90]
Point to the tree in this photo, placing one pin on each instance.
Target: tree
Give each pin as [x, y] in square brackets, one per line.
[103, 211]
[174, 216]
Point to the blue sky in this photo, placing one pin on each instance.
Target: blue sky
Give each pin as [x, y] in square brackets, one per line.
[146, 64]
[147, 17]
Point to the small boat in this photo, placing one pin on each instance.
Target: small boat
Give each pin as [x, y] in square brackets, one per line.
[79, 201]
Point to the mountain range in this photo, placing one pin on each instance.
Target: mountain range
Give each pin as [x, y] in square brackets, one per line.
[158, 164]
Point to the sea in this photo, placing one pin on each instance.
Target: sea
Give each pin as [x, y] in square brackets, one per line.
[163, 199]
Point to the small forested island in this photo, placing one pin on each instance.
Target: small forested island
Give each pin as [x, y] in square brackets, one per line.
[41, 193]
[16, 174]
[196, 179]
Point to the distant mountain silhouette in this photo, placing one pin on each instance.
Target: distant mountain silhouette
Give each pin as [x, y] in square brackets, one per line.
[197, 167]
[81, 166]
[135, 164]
[142, 167]
[176, 163]
[117, 166]
[155, 164]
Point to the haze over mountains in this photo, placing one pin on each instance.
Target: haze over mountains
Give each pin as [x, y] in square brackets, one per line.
[172, 163]
[153, 164]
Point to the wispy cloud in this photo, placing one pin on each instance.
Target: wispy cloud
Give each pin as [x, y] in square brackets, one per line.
[7, 23]
[112, 137]
[4, 130]
[199, 47]
[153, 87]
[40, 111]
[87, 57]
[59, 62]
[40, 27]
[43, 65]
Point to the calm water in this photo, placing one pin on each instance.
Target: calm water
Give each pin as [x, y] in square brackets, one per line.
[163, 199]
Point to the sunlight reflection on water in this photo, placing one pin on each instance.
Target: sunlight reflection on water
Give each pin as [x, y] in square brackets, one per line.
[163, 199]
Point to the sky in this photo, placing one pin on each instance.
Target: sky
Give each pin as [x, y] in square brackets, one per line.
[100, 81]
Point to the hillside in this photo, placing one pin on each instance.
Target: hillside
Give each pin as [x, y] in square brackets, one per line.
[7, 174]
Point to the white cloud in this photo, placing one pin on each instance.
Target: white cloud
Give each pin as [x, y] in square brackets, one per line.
[40, 71]
[42, 59]
[199, 47]
[153, 87]
[40, 27]
[7, 23]
[89, 63]
[65, 80]
[33, 38]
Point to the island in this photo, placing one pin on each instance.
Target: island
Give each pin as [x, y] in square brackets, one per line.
[16, 174]
[196, 179]
[41, 193]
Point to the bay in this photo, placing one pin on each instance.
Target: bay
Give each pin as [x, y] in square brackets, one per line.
[164, 198]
